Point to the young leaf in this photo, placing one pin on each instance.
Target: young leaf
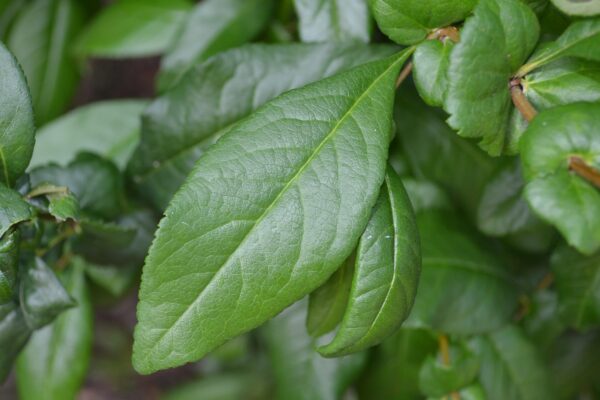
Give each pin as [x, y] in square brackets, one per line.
[179, 126]
[213, 26]
[578, 286]
[300, 372]
[469, 273]
[285, 209]
[430, 70]
[511, 368]
[108, 128]
[14, 209]
[41, 295]
[555, 140]
[410, 21]
[133, 28]
[57, 356]
[579, 8]
[333, 20]
[494, 43]
[388, 263]
[17, 132]
[14, 333]
[9, 258]
[40, 39]
[580, 39]
[437, 378]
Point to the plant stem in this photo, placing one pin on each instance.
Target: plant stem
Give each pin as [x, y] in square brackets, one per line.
[520, 101]
[445, 353]
[587, 172]
[404, 74]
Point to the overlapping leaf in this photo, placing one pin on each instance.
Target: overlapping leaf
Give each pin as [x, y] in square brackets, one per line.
[333, 20]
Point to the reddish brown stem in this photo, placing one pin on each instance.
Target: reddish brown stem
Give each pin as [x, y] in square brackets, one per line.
[404, 73]
[587, 172]
[520, 101]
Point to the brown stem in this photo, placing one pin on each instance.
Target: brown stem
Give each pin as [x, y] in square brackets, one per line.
[445, 353]
[449, 32]
[520, 101]
[587, 172]
[546, 281]
[404, 73]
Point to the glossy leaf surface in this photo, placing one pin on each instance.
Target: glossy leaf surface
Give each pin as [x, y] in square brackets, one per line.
[431, 61]
[14, 209]
[583, 8]
[333, 20]
[14, 333]
[9, 258]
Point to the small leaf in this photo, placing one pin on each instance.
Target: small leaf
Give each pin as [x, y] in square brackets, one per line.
[469, 273]
[559, 196]
[212, 26]
[100, 240]
[511, 368]
[14, 209]
[40, 39]
[275, 251]
[17, 132]
[41, 294]
[494, 43]
[300, 373]
[133, 28]
[579, 8]
[580, 39]
[578, 287]
[14, 333]
[437, 378]
[179, 126]
[430, 70]
[57, 356]
[9, 258]
[409, 22]
[108, 128]
[333, 20]
[388, 263]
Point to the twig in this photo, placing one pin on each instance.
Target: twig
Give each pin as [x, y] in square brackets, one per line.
[520, 100]
[445, 353]
[587, 172]
[404, 73]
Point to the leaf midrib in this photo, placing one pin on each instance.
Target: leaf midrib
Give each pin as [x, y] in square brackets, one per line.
[332, 132]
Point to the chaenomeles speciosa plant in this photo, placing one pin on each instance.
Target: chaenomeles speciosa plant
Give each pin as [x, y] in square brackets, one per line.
[383, 199]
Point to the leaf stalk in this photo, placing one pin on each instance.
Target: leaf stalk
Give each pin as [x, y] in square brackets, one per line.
[520, 100]
[587, 172]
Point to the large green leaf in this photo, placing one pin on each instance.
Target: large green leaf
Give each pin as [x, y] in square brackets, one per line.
[179, 126]
[17, 131]
[300, 372]
[459, 271]
[40, 39]
[580, 39]
[410, 21]
[333, 20]
[213, 26]
[584, 8]
[494, 43]
[511, 368]
[14, 333]
[267, 215]
[41, 295]
[559, 196]
[108, 128]
[57, 356]
[14, 209]
[9, 258]
[578, 286]
[430, 70]
[386, 273]
[133, 28]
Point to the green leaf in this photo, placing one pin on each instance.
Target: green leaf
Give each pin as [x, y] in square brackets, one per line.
[8, 11]
[511, 368]
[41, 294]
[333, 20]
[9, 258]
[57, 356]
[275, 251]
[60, 202]
[108, 128]
[300, 372]
[327, 304]
[213, 26]
[437, 378]
[386, 273]
[179, 126]
[542, 324]
[580, 39]
[222, 386]
[578, 287]
[100, 241]
[494, 43]
[558, 196]
[410, 21]
[133, 28]
[579, 8]
[393, 368]
[469, 273]
[96, 183]
[14, 209]
[116, 280]
[40, 39]
[17, 132]
[430, 70]
[14, 333]
[425, 195]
